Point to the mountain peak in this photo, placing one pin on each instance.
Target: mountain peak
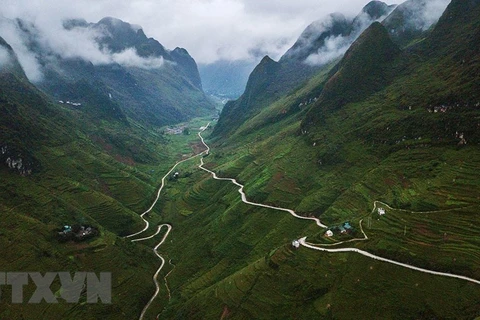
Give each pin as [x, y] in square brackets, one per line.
[315, 36]
[457, 27]
[267, 60]
[377, 9]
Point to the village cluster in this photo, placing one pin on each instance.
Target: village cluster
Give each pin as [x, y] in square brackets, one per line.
[176, 130]
[75, 104]
[444, 108]
[77, 233]
[15, 163]
[307, 102]
[345, 228]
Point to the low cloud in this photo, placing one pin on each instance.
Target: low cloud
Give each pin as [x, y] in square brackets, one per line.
[55, 42]
[433, 11]
[423, 15]
[5, 58]
[13, 36]
[130, 58]
[334, 48]
[211, 30]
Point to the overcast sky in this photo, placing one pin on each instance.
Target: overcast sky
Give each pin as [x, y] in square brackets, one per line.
[209, 29]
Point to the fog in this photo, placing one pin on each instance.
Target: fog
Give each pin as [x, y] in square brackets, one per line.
[211, 30]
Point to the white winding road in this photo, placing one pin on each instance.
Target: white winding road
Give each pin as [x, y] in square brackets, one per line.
[155, 276]
[244, 197]
[320, 247]
[302, 241]
[169, 228]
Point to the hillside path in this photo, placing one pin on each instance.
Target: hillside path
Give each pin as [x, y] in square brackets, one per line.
[320, 247]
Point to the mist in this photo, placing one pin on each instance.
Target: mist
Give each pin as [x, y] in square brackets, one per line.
[421, 16]
[211, 30]
[55, 41]
[432, 11]
[5, 58]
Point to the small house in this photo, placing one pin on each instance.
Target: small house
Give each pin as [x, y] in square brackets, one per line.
[329, 233]
[295, 244]
[347, 226]
[381, 211]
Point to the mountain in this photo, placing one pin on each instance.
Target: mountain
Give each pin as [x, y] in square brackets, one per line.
[120, 66]
[310, 55]
[315, 36]
[61, 164]
[384, 141]
[336, 26]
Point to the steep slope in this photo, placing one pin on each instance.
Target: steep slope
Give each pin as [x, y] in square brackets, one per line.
[365, 69]
[315, 36]
[336, 27]
[9, 61]
[259, 91]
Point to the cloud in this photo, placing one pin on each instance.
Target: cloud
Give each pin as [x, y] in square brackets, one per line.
[130, 58]
[83, 43]
[210, 30]
[433, 11]
[14, 37]
[334, 48]
[423, 14]
[5, 58]
[56, 41]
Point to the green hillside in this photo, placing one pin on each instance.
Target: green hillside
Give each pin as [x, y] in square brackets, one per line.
[404, 133]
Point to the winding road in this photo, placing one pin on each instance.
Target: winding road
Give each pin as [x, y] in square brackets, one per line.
[321, 247]
[169, 228]
[302, 241]
[244, 196]
[155, 276]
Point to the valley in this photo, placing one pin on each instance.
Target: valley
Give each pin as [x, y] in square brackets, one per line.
[342, 182]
